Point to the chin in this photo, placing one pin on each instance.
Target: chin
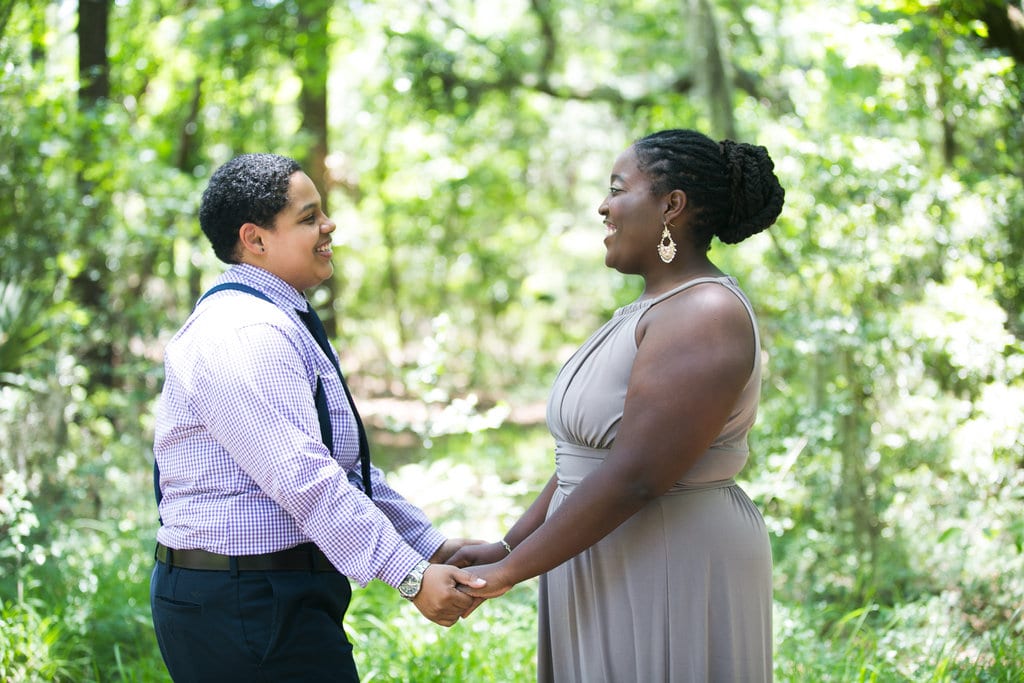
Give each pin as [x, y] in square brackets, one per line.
[325, 274]
[610, 262]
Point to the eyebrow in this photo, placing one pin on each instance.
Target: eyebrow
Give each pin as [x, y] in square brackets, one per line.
[616, 176]
[307, 207]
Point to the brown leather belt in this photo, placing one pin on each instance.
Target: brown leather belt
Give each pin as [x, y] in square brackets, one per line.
[302, 558]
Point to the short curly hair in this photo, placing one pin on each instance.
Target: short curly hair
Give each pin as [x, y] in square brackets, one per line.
[251, 188]
[732, 185]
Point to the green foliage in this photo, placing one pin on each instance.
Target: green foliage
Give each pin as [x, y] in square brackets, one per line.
[23, 330]
[469, 146]
[393, 642]
[80, 609]
[923, 641]
[31, 645]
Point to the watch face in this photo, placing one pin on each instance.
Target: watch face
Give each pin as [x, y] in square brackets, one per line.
[409, 587]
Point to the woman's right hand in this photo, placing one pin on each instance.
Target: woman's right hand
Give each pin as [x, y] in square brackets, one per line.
[483, 553]
[496, 584]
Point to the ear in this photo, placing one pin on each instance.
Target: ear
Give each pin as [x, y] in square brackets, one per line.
[675, 204]
[250, 239]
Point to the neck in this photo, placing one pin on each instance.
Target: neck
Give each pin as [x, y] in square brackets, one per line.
[665, 277]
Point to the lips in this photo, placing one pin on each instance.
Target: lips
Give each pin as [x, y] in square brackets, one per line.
[324, 249]
[610, 228]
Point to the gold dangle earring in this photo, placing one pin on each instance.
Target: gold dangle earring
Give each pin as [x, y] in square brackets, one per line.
[666, 247]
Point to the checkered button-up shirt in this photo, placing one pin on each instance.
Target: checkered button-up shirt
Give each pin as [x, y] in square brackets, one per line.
[243, 469]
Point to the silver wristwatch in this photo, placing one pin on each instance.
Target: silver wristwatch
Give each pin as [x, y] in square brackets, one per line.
[411, 584]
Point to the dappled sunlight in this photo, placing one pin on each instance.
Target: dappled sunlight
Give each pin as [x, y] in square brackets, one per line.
[463, 150]
[462, 498]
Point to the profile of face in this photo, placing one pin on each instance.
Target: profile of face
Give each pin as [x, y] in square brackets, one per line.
[633, 217]
[297, 248]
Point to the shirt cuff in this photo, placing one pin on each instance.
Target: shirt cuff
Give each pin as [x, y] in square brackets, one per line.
[428, 543]
[399, 566]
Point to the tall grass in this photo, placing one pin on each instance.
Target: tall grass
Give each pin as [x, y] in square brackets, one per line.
[82, 611]
[393, 642]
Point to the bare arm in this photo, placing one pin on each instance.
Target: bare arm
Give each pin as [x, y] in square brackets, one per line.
[527, 524]
[534, 515]
[695, 353]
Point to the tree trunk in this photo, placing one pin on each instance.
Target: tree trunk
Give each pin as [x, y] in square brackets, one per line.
[89, 286]
[93, 69]
[717, 83]
[857, 493]
[312, 67]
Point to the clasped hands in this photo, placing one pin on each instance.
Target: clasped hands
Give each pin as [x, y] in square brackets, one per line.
[462, 574]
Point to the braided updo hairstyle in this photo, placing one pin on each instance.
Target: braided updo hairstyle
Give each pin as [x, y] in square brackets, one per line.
[251, 188]
[731, 185]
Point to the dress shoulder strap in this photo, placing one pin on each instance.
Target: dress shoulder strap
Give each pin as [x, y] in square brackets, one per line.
[690, 283]
[726, 281]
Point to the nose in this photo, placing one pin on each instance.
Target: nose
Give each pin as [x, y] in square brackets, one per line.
[603, 208]
[328, 226]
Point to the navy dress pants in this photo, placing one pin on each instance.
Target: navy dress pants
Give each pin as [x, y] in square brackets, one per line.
[269, 626]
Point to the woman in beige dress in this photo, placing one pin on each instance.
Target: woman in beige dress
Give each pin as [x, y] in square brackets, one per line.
[654, 564]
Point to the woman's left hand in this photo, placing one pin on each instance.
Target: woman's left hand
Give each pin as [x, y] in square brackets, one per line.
[450, 547]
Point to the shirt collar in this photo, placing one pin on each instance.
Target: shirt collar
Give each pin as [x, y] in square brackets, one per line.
[282, 293]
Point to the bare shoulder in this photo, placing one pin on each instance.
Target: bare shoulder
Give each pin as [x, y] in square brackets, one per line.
[695, 353]
[707, 309]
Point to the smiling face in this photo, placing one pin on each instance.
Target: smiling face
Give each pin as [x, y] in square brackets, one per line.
[633, 218]
[297, 247]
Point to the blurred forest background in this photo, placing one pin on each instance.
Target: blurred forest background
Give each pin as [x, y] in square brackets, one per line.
[463, 148]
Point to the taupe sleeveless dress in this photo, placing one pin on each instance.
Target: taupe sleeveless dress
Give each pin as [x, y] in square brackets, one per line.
[682, 591]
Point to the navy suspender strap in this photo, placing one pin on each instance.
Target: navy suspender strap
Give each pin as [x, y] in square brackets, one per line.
[312, 322]
[316, 328]
[320, 399]
[237, 286]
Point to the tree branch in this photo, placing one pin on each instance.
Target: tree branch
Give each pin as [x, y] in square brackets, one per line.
[541, 9]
